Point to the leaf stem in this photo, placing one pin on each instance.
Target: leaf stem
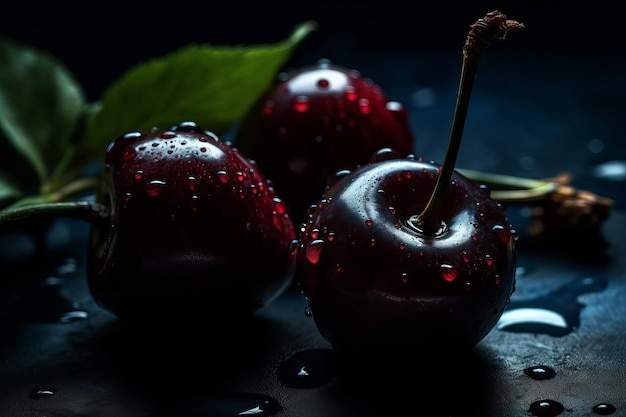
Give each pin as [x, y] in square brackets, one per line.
[80, 210]
[494, 25]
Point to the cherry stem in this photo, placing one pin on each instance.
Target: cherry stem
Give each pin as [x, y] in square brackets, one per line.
[494, 25]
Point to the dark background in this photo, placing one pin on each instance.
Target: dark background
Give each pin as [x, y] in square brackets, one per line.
[100, 40]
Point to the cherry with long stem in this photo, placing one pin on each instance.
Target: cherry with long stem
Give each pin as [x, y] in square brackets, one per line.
[493, 26]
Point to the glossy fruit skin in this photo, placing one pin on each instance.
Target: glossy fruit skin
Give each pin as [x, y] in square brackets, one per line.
[316, 120]
[372, 280]
[196, 230]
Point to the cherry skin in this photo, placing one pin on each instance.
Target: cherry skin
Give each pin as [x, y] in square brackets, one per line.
[196, 231]
[373, 279]
[316, 120]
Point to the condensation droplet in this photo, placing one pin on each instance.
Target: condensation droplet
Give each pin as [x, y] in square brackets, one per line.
[192, 184]
[155, 187]
[302, 104]
[540, 372]
[350, 93]
[194, 203]
[313, 251]
[448, 272]
[364, 106]
[604, 409]
[168, 134]
[222, 176]
[503, 233]
[72, 316]
[546, 408]
[38, 393]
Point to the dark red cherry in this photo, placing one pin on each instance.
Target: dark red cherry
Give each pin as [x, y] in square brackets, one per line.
[196, 231]
[316, 120]
[400, 253]
[373, 279]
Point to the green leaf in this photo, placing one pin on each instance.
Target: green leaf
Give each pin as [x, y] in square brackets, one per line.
[40, 107]
[210, 85]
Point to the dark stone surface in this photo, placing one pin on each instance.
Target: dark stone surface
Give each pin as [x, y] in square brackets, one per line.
[538, 109]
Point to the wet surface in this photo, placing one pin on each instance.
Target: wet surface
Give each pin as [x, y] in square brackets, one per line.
[65, 356]
[558, 349]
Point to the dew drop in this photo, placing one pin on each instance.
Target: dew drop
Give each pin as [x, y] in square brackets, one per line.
[224, 405]
[72, 316]
[308, 369]
[604, 409]
[155, 187]
[168, 134]
[488, 260]
[369, 223]
[194, 203]
[307, 310]
[192, 184]
[350, 93]
[364, 106]
[503, 234]
[222, 176]
[138, 175]
[314, 250]
[540, 372]
[38, 393]
[546, 408]
[448, 272]
[302, 104]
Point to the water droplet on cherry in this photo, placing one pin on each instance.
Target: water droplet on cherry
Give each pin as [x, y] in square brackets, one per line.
[155, 187]
[222, 176]
[302, 104]
[448, 272]
[503, 233]
[314, 250]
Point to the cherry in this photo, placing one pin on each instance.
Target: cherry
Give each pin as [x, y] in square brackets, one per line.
[406, 253]
[316, 120]
[195, 230]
